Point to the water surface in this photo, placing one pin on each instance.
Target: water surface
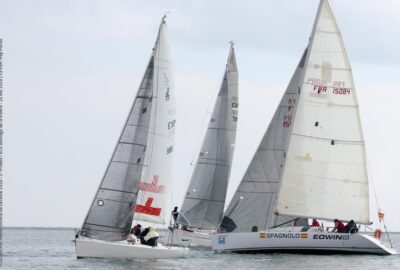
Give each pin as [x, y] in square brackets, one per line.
[54, 249]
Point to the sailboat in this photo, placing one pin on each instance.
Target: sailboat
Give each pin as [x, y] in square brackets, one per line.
[203, 205]
[310, 163]
[136, 184]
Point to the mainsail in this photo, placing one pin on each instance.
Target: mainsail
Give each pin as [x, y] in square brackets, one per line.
[325, 174]
[138, 174]
[253, 203]
[204, 202]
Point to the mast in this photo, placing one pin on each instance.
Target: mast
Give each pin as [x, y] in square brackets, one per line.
[205, 197]
[110, 215]
[325, 173]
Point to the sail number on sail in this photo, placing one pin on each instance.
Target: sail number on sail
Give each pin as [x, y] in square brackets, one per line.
[321, 87]
[287, 119]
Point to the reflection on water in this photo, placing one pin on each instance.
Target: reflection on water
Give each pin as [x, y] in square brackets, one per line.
[54, 249]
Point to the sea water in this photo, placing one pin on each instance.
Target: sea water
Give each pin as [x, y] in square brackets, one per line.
[55, 249]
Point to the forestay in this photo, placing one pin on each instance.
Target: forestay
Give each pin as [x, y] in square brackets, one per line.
[253, 203]
[205, 198]
[325, 174]
[146, 139]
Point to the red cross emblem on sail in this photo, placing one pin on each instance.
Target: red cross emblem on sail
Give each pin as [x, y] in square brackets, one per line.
[154, 188]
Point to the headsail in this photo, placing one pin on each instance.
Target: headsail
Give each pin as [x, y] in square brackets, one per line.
[325, 174]
[156, 177]
[110, 215]
[205, 198]
[253, 203]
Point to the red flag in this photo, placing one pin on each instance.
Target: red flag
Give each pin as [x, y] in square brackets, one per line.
[381, 215]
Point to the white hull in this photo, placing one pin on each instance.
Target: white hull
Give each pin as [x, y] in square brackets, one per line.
[196, 238]
[93, 248]
[299, 242]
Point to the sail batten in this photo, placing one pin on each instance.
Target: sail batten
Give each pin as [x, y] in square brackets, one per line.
[205, 198]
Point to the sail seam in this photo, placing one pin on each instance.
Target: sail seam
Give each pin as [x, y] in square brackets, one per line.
[335, 179]
[329, 104]
[261, 182]
[137, 125]
[329, 139]
[111, 200]
[220, 165]
[131, 163]
[138, 144]
[106, 226]
[208, 200]
[328, 68]
[328, 32]
[117, 190]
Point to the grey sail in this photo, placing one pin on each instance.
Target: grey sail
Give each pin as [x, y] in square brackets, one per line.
[254, 202]
[205, 198]
[110, 215]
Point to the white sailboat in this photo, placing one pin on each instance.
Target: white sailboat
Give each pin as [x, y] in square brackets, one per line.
[310, 164]
[203, 206]
[136, 184]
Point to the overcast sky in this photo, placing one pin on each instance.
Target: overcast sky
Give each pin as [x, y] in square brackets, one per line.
[72, 68]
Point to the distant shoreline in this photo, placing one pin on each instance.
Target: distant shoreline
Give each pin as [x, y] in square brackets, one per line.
[49, 228]
[73, 228]
[37, 228]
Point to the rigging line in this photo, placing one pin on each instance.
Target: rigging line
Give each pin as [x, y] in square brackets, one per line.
[369, 170]
[202, 132]
[213, 179]
[269, 210]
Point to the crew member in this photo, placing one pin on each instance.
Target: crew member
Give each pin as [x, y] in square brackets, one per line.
[351, 227]
[136, 230]
[339, 226]
[143, 235]
[152, 237]
[175, 214]
[315, 223]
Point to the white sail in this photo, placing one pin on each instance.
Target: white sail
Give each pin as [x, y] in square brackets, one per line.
[154, 187]
[205, 198]
[325, 174]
